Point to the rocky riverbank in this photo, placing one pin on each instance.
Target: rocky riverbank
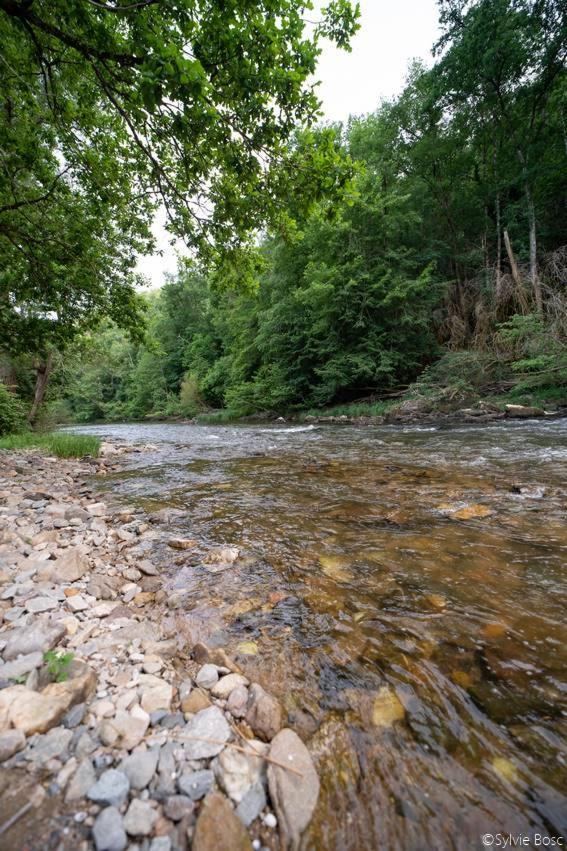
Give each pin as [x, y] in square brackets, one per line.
[116, 729]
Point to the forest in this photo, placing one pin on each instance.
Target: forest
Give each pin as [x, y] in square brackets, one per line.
[416, 252]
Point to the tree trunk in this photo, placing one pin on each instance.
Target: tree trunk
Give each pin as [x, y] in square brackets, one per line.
[534, 277]
[515, 272]
[43, 371]
[498, 288]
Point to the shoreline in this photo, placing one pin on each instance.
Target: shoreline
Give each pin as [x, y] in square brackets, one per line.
[113, 721]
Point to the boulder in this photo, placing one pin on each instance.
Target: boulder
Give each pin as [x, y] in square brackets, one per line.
[524, 411]
[218, 827]
[294, 795]
[263, 713]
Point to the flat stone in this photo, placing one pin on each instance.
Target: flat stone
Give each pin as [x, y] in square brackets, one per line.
[196, 784]
[111, 788]
[11, 742]
[53, 745]
[227, 684]
[263, 713]
[294, 796]
[41, 604]
[207, 724]
[178, 807]
[148, 568]
[75, 715]
[39, 637]
[108, 831]
[140, 818]
[69, 567]
[78, 603]
[252, 804]
[83, 779]
[140, 767]
[20, 666]
[218, 827]
[207, 676]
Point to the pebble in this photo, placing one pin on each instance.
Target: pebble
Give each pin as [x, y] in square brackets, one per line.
[108, 831]
[140, 767]
[140, 818]
[196, 784]
[112, 788]
[207, 677]
[178, 807]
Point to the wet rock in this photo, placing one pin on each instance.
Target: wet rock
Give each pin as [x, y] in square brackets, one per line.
[108, 831]
[263, 713]
[237, 772]
[207, 676]
[111, 788]
[178, 807]
[39, 637]
[140, 818]
[387, 708]
[293, 795]
[11, 742]
[182, 543]
[252, 804]
[219, 827]
[238, 701]
[140, 767]
[207, 724]
[196, 784]
[83, 780]
[227, 684]
[222, 556]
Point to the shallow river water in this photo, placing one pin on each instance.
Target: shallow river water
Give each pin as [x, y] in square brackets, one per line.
[402, 591]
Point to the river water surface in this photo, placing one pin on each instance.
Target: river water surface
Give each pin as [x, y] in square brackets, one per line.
[401, 591]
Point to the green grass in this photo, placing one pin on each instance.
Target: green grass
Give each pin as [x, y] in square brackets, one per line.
[56, 443]
[355, 409]
[224, 415]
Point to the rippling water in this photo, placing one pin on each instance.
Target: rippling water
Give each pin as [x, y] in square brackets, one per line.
[424, 651]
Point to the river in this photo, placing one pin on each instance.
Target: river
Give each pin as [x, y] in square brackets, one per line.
[402, 591]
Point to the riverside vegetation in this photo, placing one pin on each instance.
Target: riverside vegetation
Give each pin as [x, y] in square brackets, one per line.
[441, 267]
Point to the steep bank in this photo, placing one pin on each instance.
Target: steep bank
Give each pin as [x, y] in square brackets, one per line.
[115, 726]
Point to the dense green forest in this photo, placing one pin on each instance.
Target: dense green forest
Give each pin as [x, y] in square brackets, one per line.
[420, 249]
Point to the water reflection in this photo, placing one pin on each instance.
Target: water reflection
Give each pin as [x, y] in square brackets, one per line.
[402, 590]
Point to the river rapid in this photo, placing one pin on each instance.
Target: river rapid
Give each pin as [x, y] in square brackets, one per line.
[401, 590]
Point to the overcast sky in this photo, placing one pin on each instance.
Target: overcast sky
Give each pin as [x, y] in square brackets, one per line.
[392, 33]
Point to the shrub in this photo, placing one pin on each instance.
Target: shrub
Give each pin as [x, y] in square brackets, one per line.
[12, 412]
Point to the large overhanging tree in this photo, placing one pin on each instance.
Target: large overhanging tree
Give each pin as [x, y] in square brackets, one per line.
[109, 108]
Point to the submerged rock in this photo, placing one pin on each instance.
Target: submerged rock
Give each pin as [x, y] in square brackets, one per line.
[263, 712]
[293, 793]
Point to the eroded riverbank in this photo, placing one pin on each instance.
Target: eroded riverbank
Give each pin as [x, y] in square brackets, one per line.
[117, 728]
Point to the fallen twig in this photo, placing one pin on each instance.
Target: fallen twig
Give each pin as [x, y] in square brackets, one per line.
[248, 751]
[17, 815]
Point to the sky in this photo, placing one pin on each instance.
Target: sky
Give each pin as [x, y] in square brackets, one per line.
[392, 33]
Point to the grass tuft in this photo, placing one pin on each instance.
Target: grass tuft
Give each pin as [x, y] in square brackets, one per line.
[356, 409]
[225, 415]
[61, 445]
